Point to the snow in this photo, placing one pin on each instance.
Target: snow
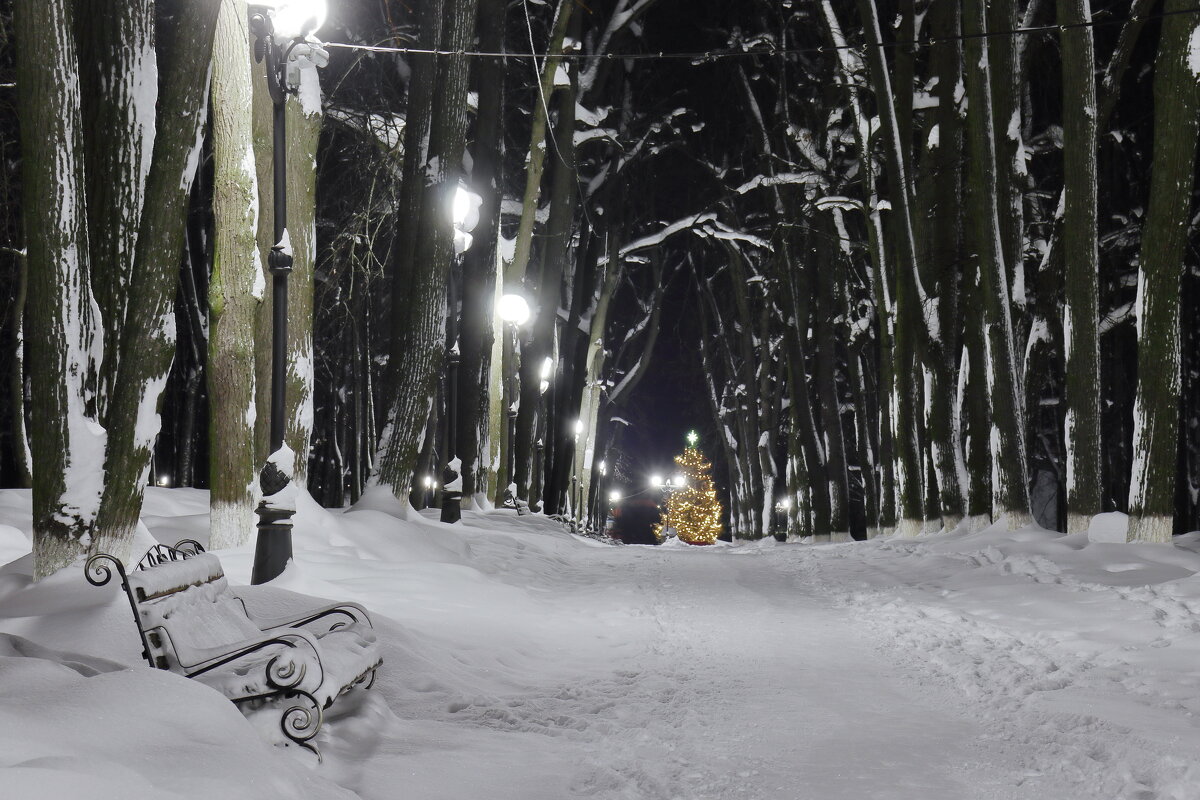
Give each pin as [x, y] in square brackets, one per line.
[1193, 58]
[523, 662]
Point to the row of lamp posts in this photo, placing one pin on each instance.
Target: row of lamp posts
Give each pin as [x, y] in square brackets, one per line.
[284, 39]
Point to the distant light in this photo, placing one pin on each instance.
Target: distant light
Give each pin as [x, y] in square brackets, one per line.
[578, 427]
[429, 482]
[603, 468]
[656, 480]
[464, 210]
[614, 497]
[547, 368]
[513, 308]
[785, 503]
[295, 19]
[164, 480]
[692, 438]
[680, 480]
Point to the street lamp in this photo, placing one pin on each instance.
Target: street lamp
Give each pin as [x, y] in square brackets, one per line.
[513, 309]
[576, 484]
[282, 31]
[464, 215]
[539, 434]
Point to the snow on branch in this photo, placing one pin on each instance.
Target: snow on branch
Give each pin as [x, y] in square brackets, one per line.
[760, 181]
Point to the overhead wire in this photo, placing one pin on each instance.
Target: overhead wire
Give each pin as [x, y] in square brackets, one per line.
[705, 56]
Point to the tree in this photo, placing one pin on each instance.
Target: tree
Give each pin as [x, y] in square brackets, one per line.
[1081, 316]
[418, 313]
[236, 287]
[1156, 411]
[92, 434]
[693, 510]
[1007, 439]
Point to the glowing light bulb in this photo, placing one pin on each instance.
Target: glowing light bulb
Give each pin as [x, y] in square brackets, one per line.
[295, 19]
[513, 308]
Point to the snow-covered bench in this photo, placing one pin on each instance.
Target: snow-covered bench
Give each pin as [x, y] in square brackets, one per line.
[192, 624]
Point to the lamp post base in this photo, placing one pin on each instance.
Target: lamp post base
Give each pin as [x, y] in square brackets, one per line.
[451, 507]
[273, 549]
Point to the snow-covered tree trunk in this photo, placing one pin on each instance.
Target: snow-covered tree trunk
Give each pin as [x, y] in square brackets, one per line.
[942, 241]
[514, 269]
[1081, 315]
[1156, 407]
[971, 401]
[419, 343]
[905, 394]
[480, 262]
[235, 289]
[119, 82]
[63, 332]
[15, 388]
[1005, 80]
[1007, 439]
[304, 118]
[826, 313]
[555, 250]
[148, 333]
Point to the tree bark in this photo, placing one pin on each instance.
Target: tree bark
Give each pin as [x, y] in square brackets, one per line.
[1007, 437]
[63, 332]
[148, 335]
[904, 405]
[119, 82]
[419, 342]
[1156, 409]
[304, 117]
[235, 288]
[479, 263]
[1081, 315]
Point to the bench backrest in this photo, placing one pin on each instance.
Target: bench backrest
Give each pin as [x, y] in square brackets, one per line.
[184, 607]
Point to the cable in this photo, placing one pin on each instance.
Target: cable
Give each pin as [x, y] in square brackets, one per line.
[715, 55]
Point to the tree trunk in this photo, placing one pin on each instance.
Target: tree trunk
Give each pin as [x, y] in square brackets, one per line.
[304, 117]
[905, 405]
[235, 289]
[514, 270]
[148, 336]
[62, 322]
[119, 80]
[1081, 316]
[1156, 407]
[419, 342]
[829, 307]
[479, 263]
[1009, 481]
[556, 249]
[943, 251]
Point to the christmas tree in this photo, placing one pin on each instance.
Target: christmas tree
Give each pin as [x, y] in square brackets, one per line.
[693, 510]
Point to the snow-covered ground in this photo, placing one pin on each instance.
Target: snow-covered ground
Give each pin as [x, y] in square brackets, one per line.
[523, 662]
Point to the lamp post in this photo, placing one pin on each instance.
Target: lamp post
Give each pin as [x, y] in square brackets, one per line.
[464, 213]
[541, 425]
[281, 37]
[595, 506]
[576, 484]
[514, 312]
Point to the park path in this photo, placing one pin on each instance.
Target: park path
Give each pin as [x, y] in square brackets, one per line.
[663, 673]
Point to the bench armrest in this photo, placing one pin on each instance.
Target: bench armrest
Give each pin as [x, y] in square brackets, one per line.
[338, 614]
[283, 671]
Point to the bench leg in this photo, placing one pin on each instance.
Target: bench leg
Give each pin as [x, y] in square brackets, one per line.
[301, 722]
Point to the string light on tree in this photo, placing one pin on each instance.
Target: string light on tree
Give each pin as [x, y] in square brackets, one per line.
[693, 510]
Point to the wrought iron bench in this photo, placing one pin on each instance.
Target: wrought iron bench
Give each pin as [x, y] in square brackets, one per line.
[193, 625]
